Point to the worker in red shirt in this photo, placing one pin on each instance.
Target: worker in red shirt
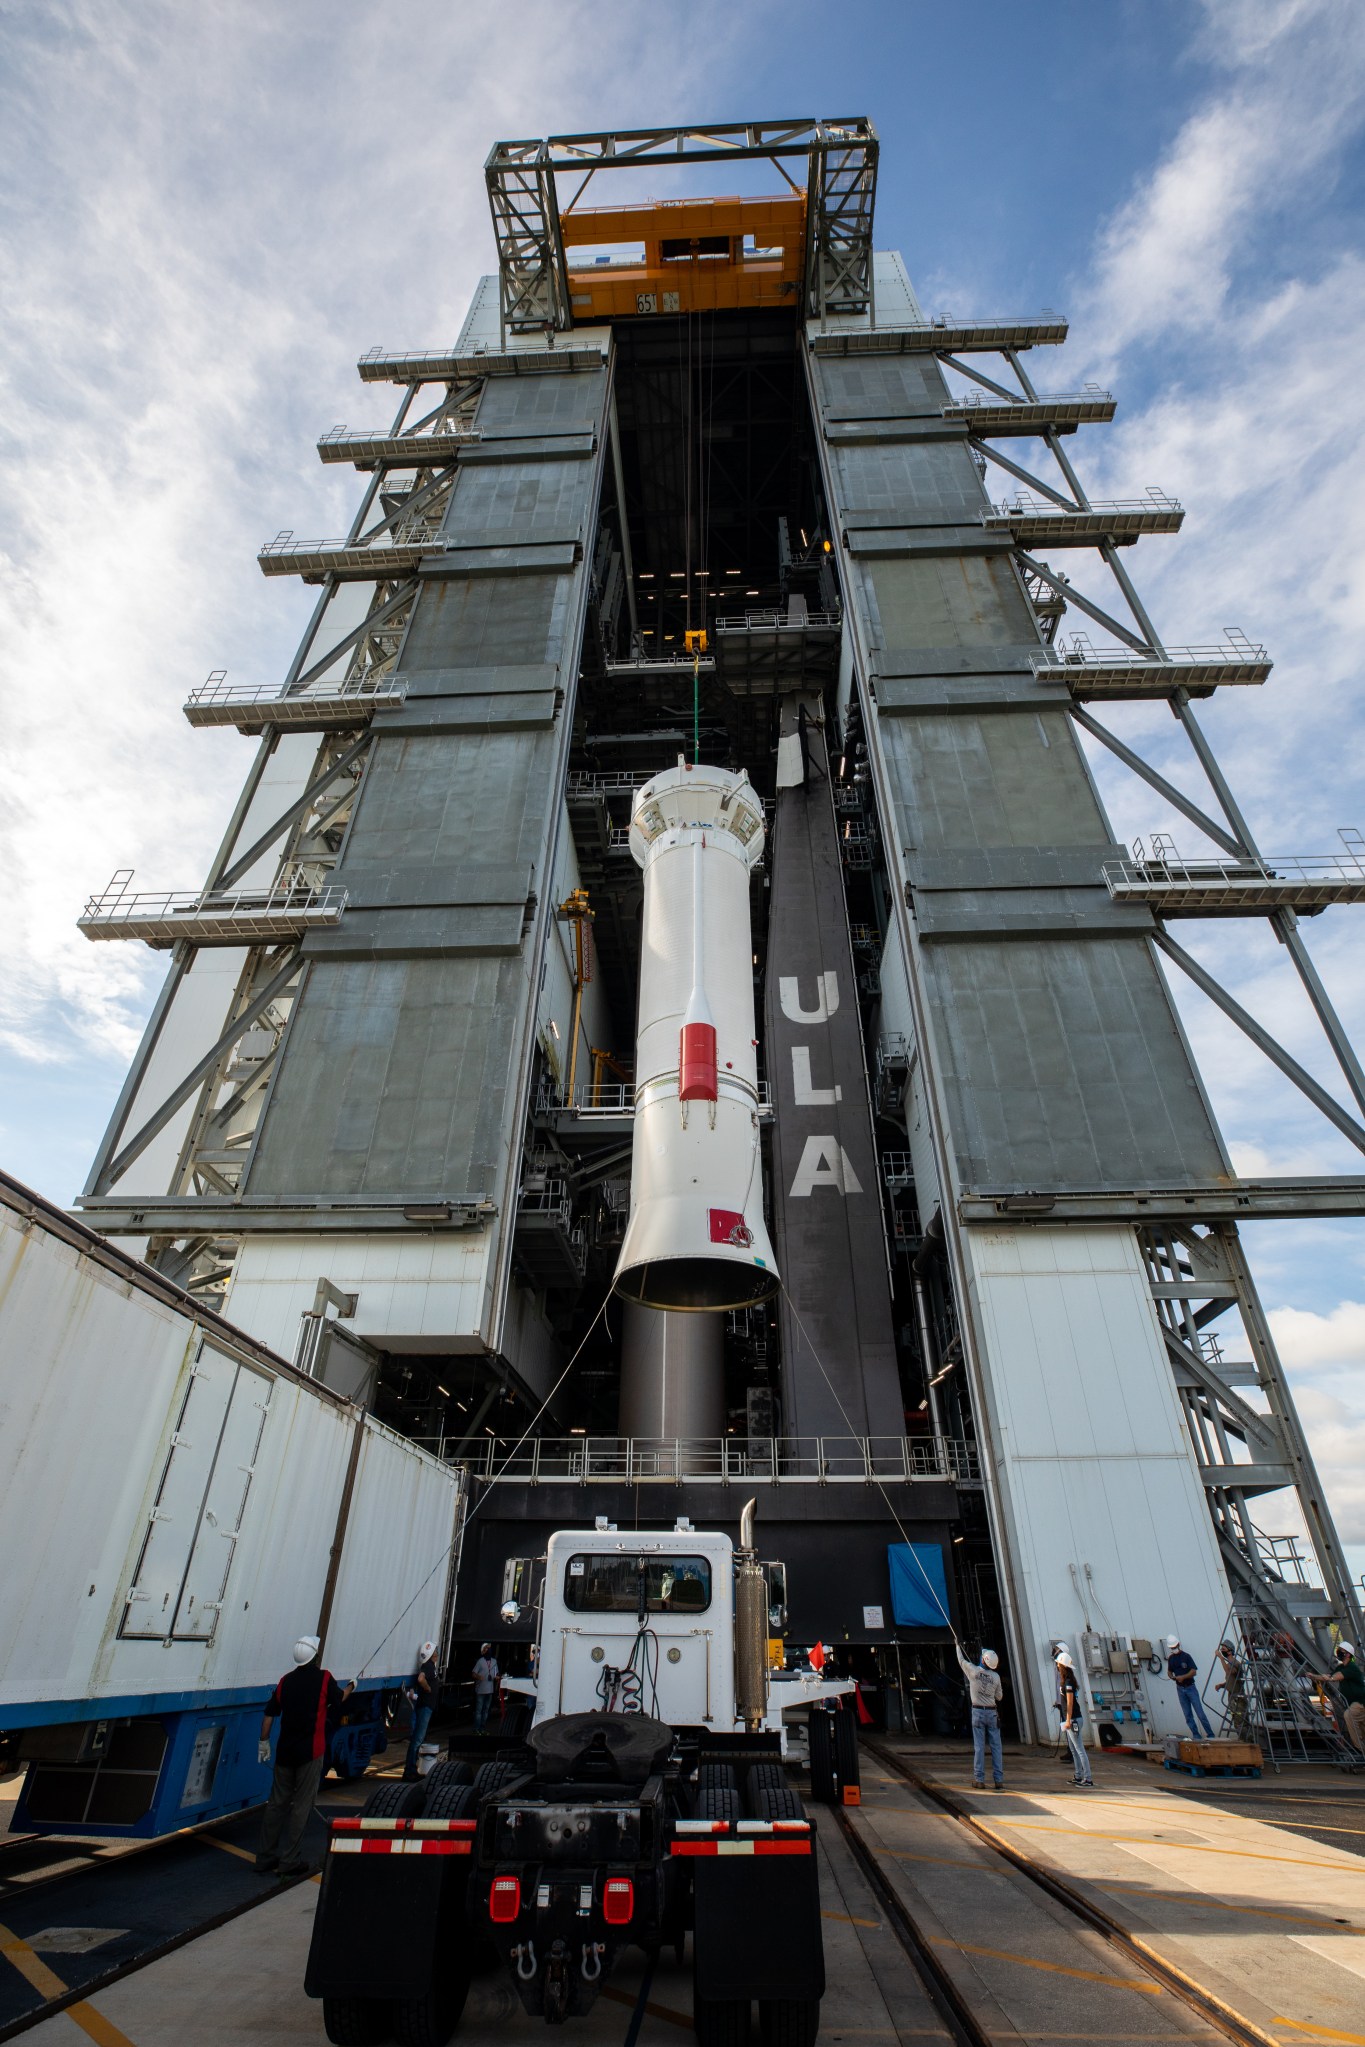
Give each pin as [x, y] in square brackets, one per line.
[300, 1702]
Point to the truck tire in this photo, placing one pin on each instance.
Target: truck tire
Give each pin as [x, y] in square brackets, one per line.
[492, 1776]
[766, 1777]
[789, 2021]
[355, 2021]
[718, 1805]
[436, 1779]
[449, 1802]
[821, 1737]
[846, 1745]
[395, 1801]
[429, 2021]
[780, 1804]
[717, 1777]
[721, 2022]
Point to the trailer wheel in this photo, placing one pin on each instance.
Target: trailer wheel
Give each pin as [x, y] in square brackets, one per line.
[721, 2022]
[718, 1805]
[821, 1736]
[355, 2021]
[395, 1801]
[766, 1777]
[717, 1777]
[789, 2021]
[449, 1802]
[492, 1776]
[456, 1772]
[780, 1804]
[429, 2021]
[846, 1745]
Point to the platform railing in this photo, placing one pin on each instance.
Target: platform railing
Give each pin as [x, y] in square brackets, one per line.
[723, 1460]
[217, 690]
[1026, 506]
[119, 904]
[1234, 650]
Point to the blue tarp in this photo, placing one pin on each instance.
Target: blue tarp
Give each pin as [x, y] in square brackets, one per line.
[916, 1603]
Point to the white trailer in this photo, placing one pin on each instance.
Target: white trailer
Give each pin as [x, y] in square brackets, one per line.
[186, 1504]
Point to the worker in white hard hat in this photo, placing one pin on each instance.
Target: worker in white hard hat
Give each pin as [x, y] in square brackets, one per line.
[1073, 1723]
[1182, 1669]
[486, 1675]
[424, 1691]
[301, 1702]
[1350, 1680]
[985, 1689]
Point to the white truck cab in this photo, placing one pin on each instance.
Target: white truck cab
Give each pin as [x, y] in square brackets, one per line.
[638, 1620]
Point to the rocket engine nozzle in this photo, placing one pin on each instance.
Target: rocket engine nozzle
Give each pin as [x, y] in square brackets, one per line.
[696, 1238]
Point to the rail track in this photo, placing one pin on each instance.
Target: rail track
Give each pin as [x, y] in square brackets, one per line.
[958, 2016]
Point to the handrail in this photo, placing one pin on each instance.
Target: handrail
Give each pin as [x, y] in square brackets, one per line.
[772, 1460]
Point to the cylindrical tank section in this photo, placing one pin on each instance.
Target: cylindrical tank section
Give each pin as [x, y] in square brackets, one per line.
[696, 1238]
[672, 1376]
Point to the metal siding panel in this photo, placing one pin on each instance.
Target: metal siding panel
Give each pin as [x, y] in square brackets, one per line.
[396, 1559]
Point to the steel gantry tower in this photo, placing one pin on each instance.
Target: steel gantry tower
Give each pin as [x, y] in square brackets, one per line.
[728, 500]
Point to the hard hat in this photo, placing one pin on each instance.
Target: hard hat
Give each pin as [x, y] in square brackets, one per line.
[990, 1659]
[306, 1648]
[1172, 1641]
[1064, 1656]
[1346, 1649]
[428, 1649]
[485, 1648]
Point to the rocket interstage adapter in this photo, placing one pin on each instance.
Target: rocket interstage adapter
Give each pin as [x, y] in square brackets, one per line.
[696, 1237]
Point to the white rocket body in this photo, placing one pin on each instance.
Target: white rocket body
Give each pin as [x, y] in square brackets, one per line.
[696, 1238]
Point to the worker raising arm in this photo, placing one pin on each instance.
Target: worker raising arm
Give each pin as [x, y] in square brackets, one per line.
[985, 1688]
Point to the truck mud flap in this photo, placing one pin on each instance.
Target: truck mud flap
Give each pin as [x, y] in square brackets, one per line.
[381, 1923]
[756, 1930]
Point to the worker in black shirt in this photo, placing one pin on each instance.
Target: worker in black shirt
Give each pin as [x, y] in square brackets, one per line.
[300, 1702]
[1073, 1722]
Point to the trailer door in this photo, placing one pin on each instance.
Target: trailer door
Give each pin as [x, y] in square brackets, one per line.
[225, 1497]
[193, 1525]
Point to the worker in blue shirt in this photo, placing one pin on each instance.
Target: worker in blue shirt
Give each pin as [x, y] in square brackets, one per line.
[1182, 1668]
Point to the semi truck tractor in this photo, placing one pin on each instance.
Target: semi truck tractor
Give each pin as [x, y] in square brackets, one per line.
[647, 1805]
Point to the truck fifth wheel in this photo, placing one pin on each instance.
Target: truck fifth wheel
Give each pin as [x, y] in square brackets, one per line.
[649, 1802]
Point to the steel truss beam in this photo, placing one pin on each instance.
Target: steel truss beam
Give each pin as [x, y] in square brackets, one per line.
[1189, 1235]
[523, 197]
[1189, 1269]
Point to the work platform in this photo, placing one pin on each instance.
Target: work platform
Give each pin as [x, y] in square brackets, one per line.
[1037, 522]
[325, 708]
[241, 916]
[1142, 1910]
[945, 336]
[1051, 411]
[1238, 888]
[1115, 675]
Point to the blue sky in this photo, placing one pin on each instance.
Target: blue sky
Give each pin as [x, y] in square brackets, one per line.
[211, 211]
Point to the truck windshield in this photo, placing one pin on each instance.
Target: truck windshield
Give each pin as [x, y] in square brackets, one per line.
[611, 1584]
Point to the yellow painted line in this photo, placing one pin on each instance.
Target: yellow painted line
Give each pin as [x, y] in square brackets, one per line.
[1320, 2032]
[1204, 1901]
[30, 1966]
[944, 1861]
[1315, 1826]
[996, 1954]
[1182, 1847]
[848, 1919]
[48, 1984]
[231, 1848]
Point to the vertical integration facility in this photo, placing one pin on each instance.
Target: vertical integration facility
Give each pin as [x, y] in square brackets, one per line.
[668, 995]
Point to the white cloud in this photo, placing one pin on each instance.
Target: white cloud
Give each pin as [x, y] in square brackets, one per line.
[1233, 344]
[214, 211]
